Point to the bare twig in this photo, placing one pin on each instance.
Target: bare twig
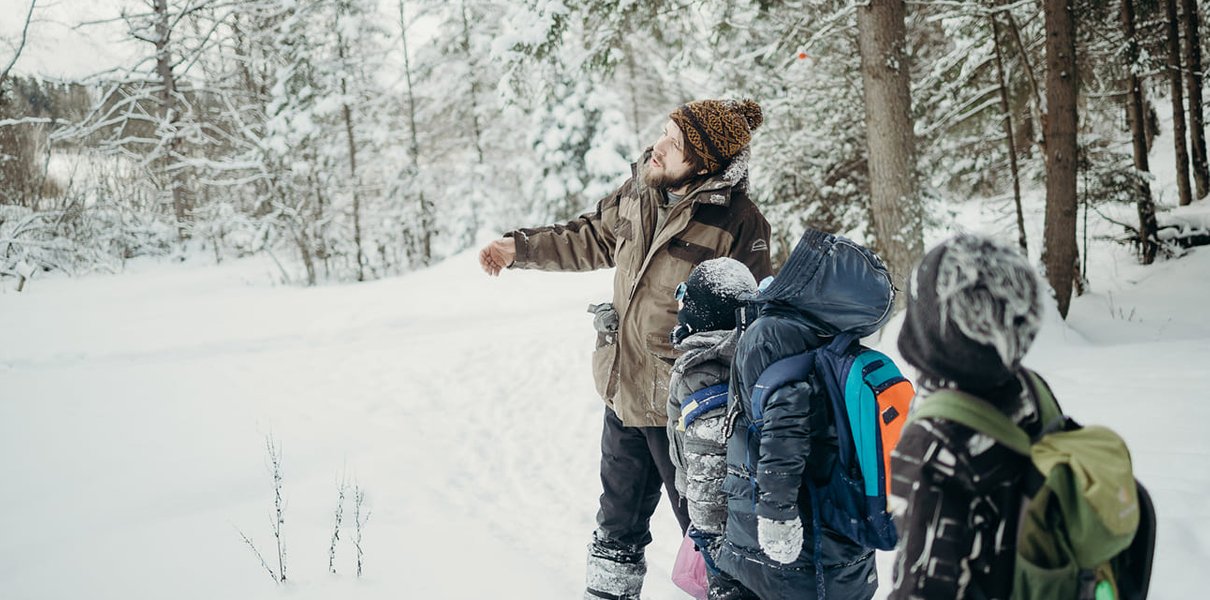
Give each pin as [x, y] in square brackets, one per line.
[259, 557]
[275, 458]
[359, 519]
[21, 44]
[336, 522]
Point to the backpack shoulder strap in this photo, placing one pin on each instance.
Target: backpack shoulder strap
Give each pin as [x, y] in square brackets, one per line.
[787, 370]
[1051, 415]
[701, 402]
[975, 413]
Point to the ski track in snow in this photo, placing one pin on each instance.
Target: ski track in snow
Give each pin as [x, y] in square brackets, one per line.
[134, 410]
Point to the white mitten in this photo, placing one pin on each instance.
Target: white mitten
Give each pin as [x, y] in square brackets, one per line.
[780, 540]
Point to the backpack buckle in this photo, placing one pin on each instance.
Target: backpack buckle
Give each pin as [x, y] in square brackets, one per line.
[1087, 587]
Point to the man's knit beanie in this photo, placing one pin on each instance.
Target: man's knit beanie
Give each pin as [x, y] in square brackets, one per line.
[714, 290]
[718, 130]
[973, 310]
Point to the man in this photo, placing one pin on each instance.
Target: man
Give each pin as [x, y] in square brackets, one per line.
[685, 202]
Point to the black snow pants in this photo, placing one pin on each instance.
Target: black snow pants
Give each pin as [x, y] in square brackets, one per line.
[634, 465]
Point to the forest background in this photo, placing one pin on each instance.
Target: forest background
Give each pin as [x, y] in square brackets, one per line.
[358, 139]
[148, 392]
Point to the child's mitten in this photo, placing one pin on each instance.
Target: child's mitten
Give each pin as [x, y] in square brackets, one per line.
[780, 540]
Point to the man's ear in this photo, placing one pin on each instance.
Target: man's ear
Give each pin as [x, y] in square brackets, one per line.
[703, 172]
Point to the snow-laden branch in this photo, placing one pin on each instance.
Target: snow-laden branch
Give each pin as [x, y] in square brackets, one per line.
[27, 121]
[961, 113]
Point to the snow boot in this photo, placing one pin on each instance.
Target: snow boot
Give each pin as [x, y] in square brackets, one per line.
[615, 571]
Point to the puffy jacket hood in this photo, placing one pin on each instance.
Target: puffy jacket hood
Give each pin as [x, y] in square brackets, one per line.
[836, 285]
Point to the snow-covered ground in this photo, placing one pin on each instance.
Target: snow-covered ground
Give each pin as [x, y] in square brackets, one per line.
[134, 410]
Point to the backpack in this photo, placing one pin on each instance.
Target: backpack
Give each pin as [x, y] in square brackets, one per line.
[1087, 526]
[867, 399]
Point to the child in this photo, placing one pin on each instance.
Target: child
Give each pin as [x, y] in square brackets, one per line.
[972, 312]
[829, 285]
[706, 336]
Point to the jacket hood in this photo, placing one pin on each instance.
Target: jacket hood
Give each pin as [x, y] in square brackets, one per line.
[705, 346]
[836, 285]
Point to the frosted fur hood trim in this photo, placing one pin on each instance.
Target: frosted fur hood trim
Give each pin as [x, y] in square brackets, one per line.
[702, 347]
[737, 172]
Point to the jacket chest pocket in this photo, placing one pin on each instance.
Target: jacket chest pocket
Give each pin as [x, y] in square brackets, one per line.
[690, 252]
[624, 229]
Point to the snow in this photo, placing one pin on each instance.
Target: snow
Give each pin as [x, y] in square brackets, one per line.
[134, 410]
[1184, 221]
[725, 278]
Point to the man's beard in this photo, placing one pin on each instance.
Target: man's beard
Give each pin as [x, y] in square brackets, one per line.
[662, 181]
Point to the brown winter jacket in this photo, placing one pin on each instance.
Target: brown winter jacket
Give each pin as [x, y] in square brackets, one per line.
[716, 218]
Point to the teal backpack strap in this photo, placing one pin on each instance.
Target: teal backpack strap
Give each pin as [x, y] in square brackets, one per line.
[975, 413]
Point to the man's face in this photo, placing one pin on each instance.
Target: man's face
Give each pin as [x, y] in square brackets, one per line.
[667, 167]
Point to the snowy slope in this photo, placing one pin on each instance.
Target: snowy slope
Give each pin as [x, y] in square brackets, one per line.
[133, 412]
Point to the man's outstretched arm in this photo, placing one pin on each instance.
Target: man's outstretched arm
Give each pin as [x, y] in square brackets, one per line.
[582, 244]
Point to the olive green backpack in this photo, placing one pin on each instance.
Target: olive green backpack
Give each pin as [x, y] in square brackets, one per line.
[1087, 527]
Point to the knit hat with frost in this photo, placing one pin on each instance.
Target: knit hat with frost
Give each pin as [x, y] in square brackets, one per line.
[714, 290]
[972, 312]
[718, 130]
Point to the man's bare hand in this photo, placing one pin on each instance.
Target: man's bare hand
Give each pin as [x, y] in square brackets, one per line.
[498, 255]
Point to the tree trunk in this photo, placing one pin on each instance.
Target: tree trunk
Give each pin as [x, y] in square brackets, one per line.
[895, 208]
[426, 233]
[1178, 103]
[348, 117]
[168, 116]
[1193, 81]
[476, 125]
[347, 113]
[1036, 107]
[1138, 135]
[1059, 244]
[1009, 137]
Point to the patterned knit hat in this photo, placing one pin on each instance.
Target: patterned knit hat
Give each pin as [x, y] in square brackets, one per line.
[718, 129]
[973, 311]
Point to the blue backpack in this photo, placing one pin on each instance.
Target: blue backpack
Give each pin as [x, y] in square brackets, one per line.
[868, 399]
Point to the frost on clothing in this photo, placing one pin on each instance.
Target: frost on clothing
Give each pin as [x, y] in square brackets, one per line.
[726, 278]
[616, 573]
[989, 300]
[973, 311]
[699, 451]
[711, 295]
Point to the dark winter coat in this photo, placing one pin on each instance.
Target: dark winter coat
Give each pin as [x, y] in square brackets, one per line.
[828, 286]
[716, 218]
[956, 496]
